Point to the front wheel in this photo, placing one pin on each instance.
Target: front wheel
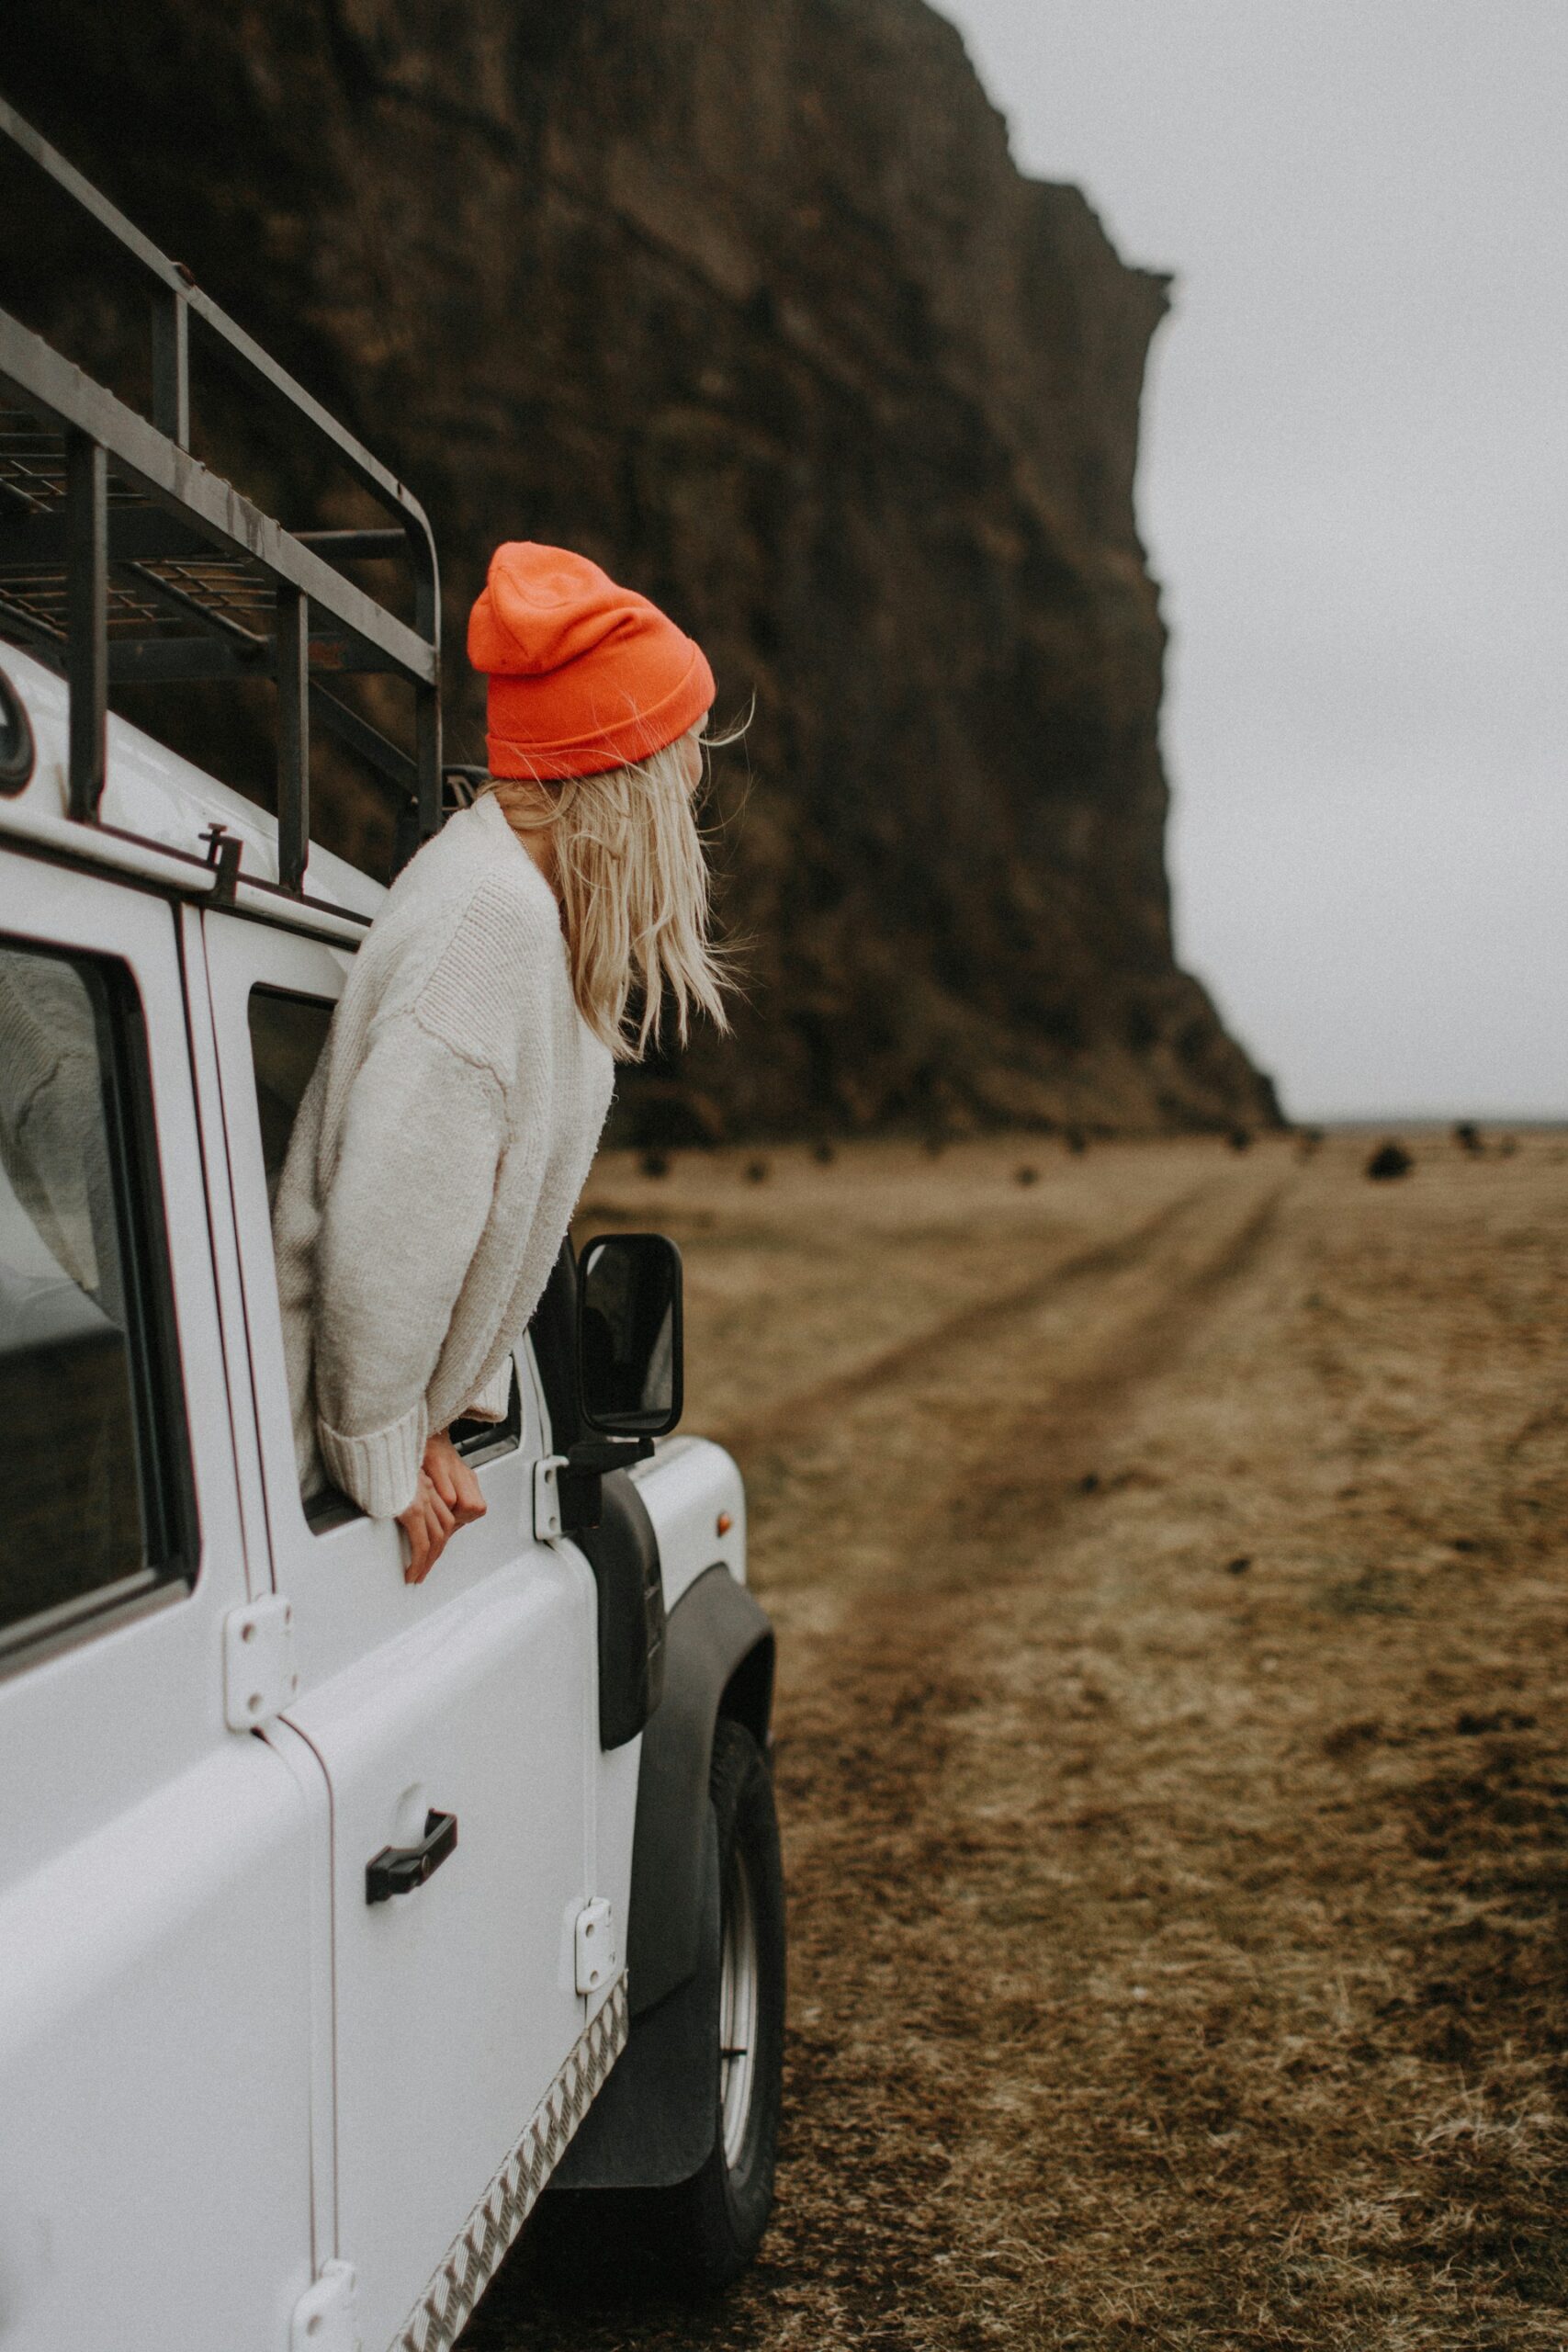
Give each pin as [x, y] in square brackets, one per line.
[709, 2228]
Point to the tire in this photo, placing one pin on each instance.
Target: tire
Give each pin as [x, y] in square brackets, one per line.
[710, 2228]
[700, 2235]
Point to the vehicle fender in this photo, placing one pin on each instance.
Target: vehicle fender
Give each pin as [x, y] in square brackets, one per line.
[654, 2120]
[652, 2125]
[718, 1657]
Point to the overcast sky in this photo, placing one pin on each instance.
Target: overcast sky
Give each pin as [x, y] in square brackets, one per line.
[1354, 486]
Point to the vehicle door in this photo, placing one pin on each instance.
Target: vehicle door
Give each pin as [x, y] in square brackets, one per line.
[154, 1863]
[469, 1696]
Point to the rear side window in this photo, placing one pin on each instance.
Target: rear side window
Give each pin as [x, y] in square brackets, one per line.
[92, 1458]
[286, 1036]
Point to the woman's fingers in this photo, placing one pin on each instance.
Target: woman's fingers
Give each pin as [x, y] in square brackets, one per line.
[441, 1463]
[427, 1523]
[449, 1496]
[412, 1523]
[468, 1496]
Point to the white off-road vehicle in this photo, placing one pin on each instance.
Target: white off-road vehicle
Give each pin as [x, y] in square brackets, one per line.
[339, 1918]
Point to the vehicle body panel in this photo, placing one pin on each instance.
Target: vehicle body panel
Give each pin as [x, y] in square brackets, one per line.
[154, 1865]
[454, 2006]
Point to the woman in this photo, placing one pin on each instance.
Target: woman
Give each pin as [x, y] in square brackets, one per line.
[449, 1130]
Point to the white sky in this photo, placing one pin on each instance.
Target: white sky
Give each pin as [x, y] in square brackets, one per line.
[1354, 486]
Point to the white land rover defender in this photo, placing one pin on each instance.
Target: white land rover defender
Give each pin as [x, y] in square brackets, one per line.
[339, 1918]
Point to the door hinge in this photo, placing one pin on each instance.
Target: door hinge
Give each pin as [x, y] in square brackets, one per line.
[326, 2317]
[260, 1677]
[547, 1496]
[597, 1959]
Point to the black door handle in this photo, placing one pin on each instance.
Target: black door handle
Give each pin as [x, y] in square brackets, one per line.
[398, 1870]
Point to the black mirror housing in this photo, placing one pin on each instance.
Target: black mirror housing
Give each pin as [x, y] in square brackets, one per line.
[629, 1335]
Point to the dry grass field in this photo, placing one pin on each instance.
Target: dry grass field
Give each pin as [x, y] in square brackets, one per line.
[1168, 1558]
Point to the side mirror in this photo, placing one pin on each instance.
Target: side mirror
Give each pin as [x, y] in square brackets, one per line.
[628, 1335]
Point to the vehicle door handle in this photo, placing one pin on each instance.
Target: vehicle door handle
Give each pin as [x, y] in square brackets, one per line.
[398, 1870]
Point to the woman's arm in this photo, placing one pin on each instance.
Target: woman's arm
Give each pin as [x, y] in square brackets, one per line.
[405, 1206]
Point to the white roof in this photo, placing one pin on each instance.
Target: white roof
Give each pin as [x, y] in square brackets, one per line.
[153, 793]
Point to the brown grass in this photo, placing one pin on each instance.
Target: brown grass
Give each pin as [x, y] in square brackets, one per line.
[1165, 1558]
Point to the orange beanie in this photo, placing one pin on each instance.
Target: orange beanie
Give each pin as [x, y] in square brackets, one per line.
[583, 675]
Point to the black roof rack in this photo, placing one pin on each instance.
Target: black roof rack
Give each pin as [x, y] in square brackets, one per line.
[122, 557]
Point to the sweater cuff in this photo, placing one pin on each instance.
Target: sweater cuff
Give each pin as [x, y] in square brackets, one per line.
[490, 1403]
[379, 1470]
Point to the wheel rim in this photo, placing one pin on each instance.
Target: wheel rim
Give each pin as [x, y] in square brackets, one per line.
[737, 2011]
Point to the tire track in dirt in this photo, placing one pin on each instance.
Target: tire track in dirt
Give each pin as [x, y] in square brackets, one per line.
[796, 1415]
[984, 1525]
[892, 2054]
[895, 2044]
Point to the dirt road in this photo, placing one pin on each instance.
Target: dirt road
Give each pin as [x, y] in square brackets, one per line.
[1167, 1559]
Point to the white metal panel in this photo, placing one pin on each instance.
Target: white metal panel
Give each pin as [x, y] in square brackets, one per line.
[225, 1256]
[614, 1814]
[152, 2090]
[152, 792]
[472, 1694]
[688, 1485]
[456, 2004]
[155, 2160]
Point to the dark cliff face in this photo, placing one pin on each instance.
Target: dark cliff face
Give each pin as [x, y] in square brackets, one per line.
[751, 305]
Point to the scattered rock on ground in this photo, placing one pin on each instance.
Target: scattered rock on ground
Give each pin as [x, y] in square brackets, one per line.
[1389, 1161]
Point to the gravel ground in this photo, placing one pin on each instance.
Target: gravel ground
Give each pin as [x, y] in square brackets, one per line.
[1166, 1552]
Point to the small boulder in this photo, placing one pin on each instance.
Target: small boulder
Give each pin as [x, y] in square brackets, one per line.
[1389, 1161]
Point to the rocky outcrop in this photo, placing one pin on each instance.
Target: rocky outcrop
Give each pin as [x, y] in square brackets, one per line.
[752, 304]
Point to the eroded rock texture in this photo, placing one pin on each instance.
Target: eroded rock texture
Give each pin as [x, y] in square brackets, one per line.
[750, 303]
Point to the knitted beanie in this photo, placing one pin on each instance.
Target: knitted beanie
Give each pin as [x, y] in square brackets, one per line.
[583, 675]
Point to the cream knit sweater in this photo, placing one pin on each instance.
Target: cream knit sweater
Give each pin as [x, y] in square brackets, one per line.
[435, 1164]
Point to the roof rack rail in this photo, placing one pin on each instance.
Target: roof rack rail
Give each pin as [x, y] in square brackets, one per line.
[122, 557]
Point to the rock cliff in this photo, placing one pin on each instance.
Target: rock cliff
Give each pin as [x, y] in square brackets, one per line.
[752, 304]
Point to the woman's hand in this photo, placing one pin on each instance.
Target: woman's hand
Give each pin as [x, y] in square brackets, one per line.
[427, 1523]
[448, 1496]
[452, 1480]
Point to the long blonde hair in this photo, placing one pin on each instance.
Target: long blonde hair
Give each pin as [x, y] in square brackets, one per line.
[632, 875]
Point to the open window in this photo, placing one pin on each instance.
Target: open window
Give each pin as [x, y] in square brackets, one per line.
[287, 1033]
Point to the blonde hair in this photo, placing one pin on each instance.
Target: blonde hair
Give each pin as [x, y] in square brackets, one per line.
[632, 875]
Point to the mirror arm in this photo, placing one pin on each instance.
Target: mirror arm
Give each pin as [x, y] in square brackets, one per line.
[580, 1485]
[602, 1453]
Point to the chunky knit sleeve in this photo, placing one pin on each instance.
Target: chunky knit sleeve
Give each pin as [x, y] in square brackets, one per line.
[405, 1205]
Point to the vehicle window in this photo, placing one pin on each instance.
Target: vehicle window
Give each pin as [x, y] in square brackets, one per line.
[287, 1033]
[90, 1453]
[287, 1036]
[477, 1440]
